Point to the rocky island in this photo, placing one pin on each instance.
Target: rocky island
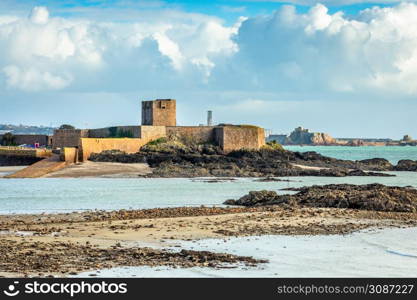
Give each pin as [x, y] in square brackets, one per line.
[175, 158]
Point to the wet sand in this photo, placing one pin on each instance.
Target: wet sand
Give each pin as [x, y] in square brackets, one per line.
[102, 169]
[65, 244]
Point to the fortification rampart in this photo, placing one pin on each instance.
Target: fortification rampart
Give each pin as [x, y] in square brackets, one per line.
[237, 137]
[29, 139]
[68, 137]
[159, 120]
[149, 133]
[91, 145]
[115, 132]
[198, 134]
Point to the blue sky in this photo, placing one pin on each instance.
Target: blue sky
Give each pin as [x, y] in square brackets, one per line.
[228, 10]
[347, 67]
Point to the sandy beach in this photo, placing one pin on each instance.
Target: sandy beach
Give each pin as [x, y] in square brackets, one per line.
[102, 169]
[66, 244]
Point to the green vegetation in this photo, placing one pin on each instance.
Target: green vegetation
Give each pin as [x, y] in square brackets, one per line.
[164, 145]
[161, 140]
[9, 139]
[273, 145]
[177, 145]
[66, 126]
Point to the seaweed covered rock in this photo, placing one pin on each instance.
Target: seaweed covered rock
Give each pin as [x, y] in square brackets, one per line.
[406, 165]
[376, 164]
[254, 198]
[375, 197]
[117, 156]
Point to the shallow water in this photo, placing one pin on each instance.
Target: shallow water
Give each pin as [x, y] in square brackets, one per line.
[77, 194]
[391, 153]
[382, 253]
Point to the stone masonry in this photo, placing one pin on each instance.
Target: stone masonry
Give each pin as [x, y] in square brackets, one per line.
[161, 112]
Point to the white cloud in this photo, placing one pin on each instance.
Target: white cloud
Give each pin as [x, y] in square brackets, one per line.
[39, 15]
[375, 53]
[313, 52]
[33, 80]
[179, 48]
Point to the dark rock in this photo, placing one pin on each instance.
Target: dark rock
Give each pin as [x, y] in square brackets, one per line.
[174, 159]
[376, 197]
[376, 164]
[406, 165]
[272, 179]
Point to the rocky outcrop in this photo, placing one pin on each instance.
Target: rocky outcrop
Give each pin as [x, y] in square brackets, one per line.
[320, 138]
[406, 165]
[117, 156]
[375, 197]
[375, 164]
[205, 161]
[302, 136]
[174, 159]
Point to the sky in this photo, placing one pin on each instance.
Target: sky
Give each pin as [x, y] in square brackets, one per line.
[345, 67]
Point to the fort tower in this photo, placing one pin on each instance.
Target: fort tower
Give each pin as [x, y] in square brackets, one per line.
[160, 112]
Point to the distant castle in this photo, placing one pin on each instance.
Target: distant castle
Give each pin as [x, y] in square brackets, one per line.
[302, 136]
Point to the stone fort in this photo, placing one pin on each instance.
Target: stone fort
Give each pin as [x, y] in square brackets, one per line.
[158, 120]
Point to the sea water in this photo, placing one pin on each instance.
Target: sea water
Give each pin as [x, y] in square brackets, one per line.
[52, 195]
[77, 194]
[391, 153]
[369, 253]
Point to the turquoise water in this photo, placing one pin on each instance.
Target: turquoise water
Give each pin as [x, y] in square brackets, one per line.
[77, 194]
[391, 153]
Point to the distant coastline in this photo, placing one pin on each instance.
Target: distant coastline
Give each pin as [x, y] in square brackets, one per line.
[304, 137]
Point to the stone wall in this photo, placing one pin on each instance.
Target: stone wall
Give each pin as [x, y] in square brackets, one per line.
[237, 137]
[68, 137]
[199, 134]
[152, 132]
[128, 145]
[97, 140]
[160, 112]
[69, 155]
[30, 139]
[115, 132]
[229, 138]
[29, 152]
[91, 145]
[127, 132]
